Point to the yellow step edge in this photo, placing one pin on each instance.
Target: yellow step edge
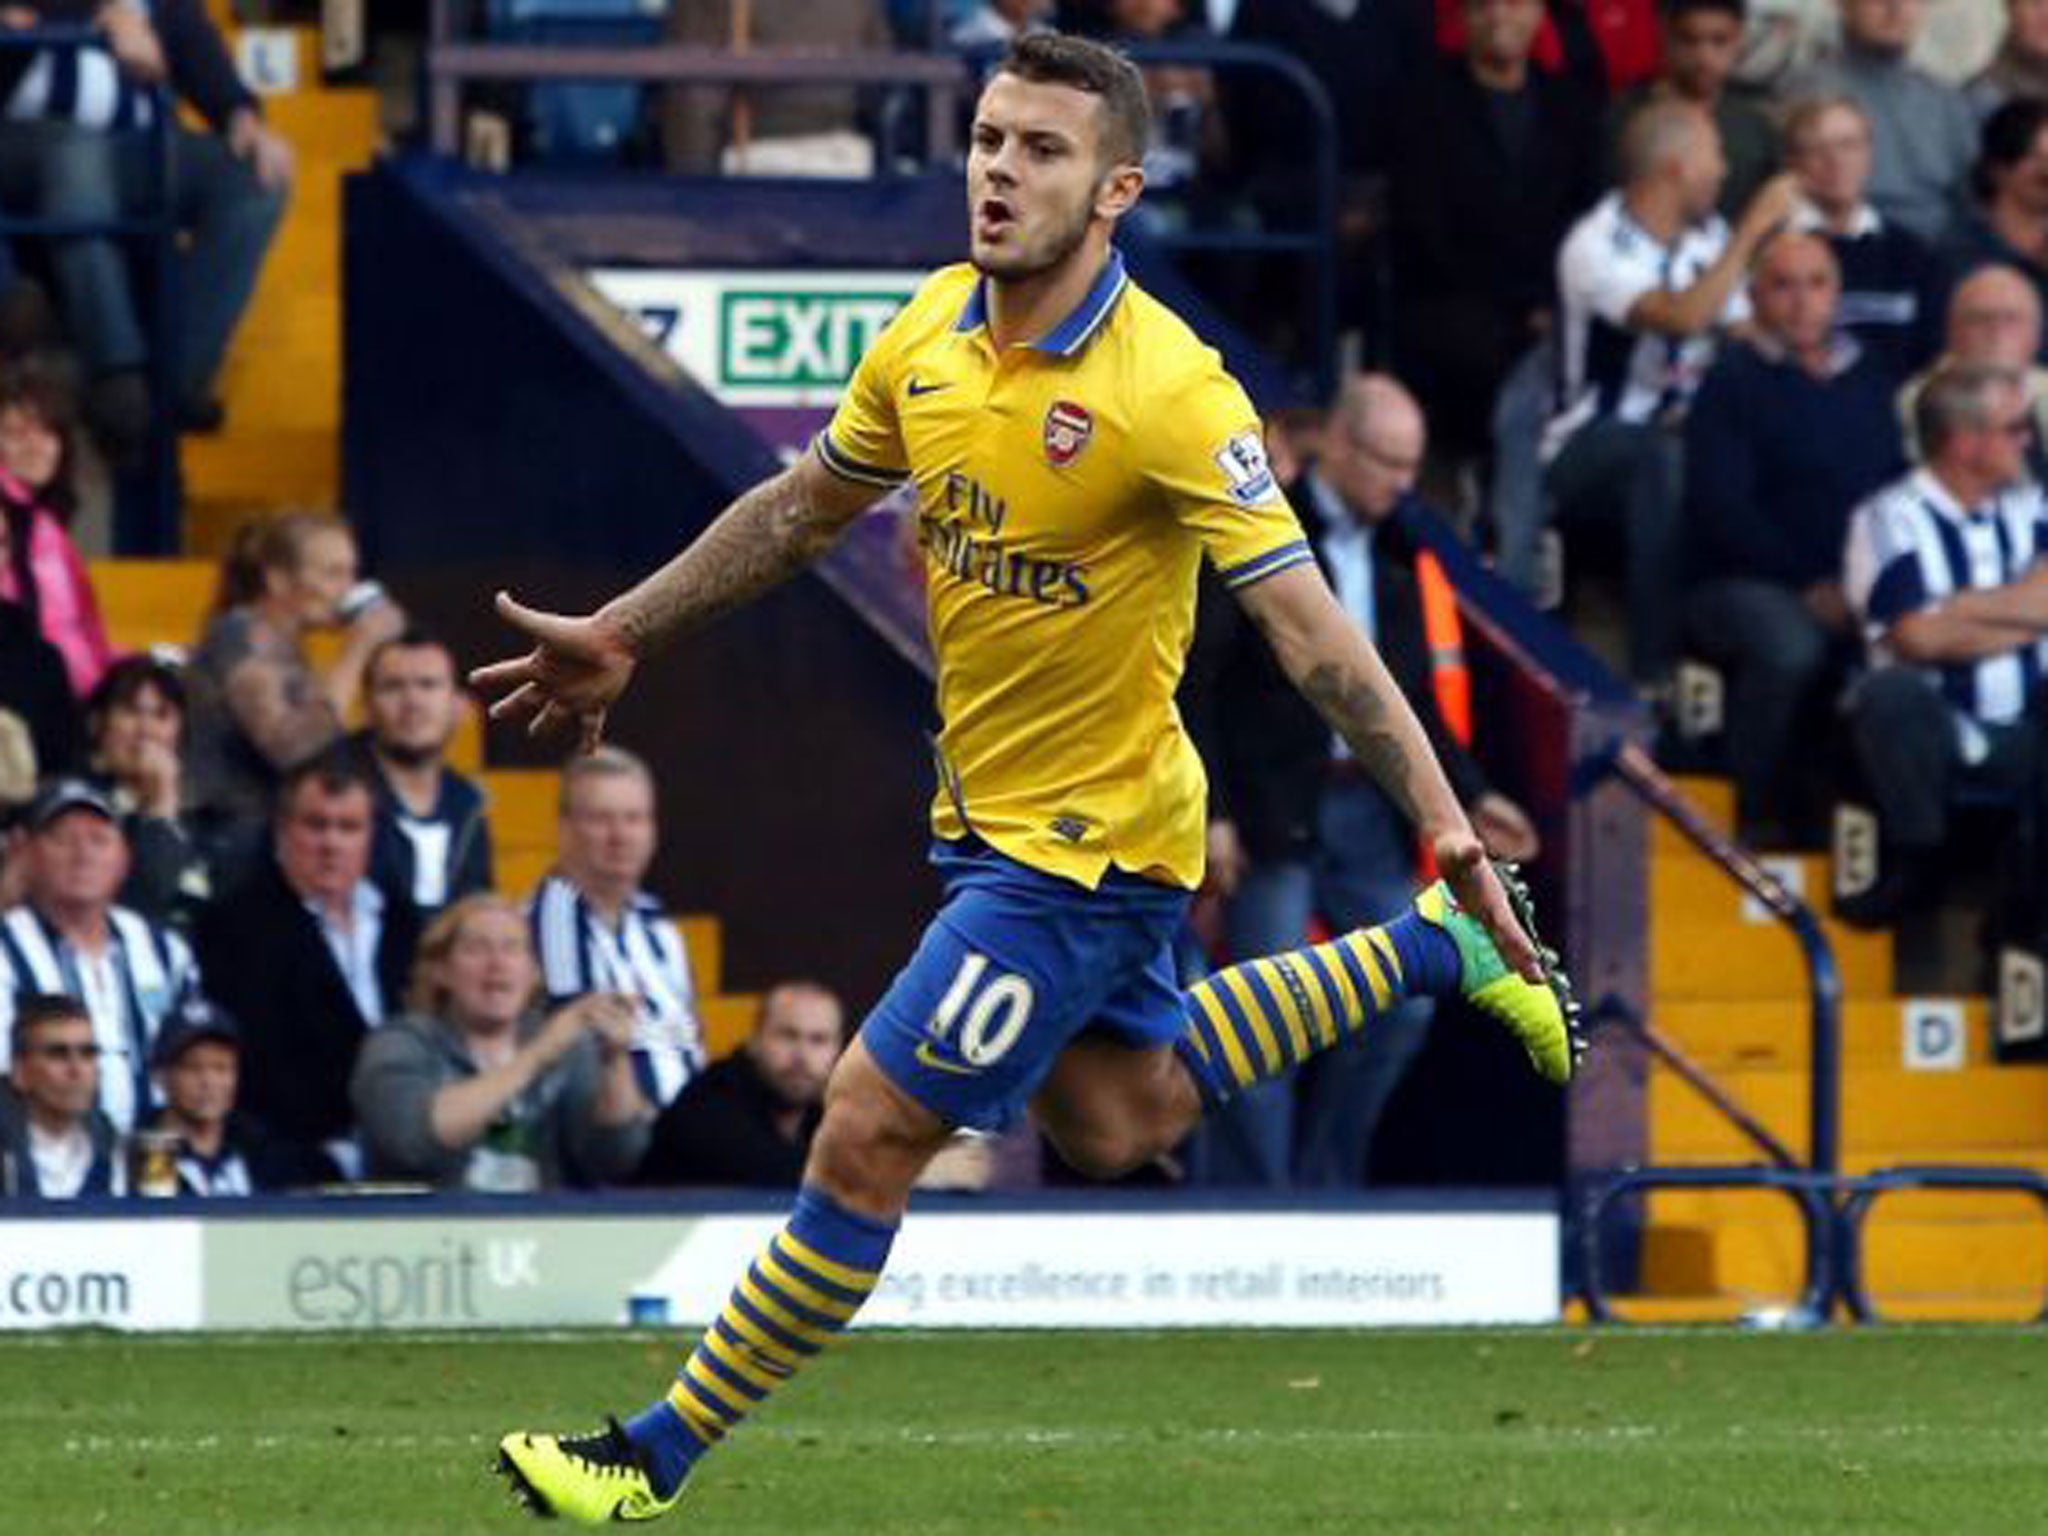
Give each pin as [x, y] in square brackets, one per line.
[1726, 960]
[1727, 1033]
[1931, 1207]
[1995, 1106]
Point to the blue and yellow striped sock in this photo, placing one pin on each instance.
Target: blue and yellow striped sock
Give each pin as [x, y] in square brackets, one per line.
[1256, 1019]
[794, 1299]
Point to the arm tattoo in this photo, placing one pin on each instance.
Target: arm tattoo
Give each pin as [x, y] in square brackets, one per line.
[765, 537]
[1358, 711]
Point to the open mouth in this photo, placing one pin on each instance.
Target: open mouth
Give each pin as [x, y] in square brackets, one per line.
[992, 216]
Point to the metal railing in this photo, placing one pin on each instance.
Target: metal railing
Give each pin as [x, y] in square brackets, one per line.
[1834, 1208]
[147, 525]
[1809, 1185]
[454, 62]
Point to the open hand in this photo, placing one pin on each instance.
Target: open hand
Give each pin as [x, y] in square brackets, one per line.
[577, 668]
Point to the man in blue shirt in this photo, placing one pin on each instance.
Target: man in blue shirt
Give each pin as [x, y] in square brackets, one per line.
[1792, 427]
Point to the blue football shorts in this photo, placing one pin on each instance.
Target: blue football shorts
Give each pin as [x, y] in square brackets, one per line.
[1014, 966]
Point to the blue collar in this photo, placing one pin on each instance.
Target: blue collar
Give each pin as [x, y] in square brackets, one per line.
[1071, 334]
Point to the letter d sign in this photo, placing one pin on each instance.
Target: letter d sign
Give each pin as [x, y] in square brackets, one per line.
[1935, 1039]
[2020, 997]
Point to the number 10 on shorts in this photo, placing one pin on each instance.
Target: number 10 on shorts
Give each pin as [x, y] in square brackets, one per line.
[990, 1008]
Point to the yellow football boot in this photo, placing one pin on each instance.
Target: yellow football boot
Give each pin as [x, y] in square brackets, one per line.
[1544, 1016]
[592, 1479]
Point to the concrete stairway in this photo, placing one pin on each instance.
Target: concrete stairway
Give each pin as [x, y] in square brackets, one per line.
[1728, 985]
[282, 381]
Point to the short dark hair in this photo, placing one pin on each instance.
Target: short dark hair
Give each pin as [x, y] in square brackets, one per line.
[411, 638]
[131, 677]
[32, 1010]
[2008, 138]
[1675, 10]
[336, 771]
[1054, 58]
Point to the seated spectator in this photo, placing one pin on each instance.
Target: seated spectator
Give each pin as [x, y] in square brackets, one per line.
[1491, 160]
[42, 441]
[1944, 571]
[311, 958]
[1890, 280]
[431, 844]
[1923, 133]
[748, 1120]
[257, 705]
[68, 936]
[220, 1151]
[72, 146]
[136, 722]
[38, 713]
[596, 930]
[1791, 428]
[475, 1088]
[998, 23]
[1994, 320]
[1648, 279]
[45, 575]
[2020, 67]
[55, 1143]
[811, 130]
[1701, 40]
[2008, 226]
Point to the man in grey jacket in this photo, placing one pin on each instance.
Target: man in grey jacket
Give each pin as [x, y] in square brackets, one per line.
[473, 1088]
[1923, 133]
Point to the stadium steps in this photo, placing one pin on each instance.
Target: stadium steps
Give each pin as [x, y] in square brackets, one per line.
[282, 381]
[1728, 986]
[164, 602]
[1723, 1033]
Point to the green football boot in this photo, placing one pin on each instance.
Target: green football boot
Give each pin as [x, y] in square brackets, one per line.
[1544, 1016]
[592, 1479]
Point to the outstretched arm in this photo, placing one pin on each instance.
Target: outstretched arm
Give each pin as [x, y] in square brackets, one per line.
[1337, 670]
[579, 666]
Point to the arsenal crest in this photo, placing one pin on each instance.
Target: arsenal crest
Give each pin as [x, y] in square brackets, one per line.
[1067, 429]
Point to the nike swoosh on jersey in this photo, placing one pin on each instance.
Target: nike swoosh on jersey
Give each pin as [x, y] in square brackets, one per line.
[928, 1057]
[918, 387]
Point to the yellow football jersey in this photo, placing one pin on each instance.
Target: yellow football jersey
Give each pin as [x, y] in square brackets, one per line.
[1067, 492]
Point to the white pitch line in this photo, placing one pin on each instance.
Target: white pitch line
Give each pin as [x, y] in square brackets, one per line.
[1499, 1436]
[1618, 1335]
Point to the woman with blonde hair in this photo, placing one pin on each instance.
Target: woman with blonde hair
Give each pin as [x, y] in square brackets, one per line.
[258, 706]
[476, 1088]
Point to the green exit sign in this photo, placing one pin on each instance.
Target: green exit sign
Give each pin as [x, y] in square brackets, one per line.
[799, 338]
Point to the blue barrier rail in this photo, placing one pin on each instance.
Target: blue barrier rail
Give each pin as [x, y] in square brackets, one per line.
[1834, 1207]
[149, 526]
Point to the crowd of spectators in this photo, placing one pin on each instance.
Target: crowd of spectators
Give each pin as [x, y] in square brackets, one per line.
[243, 949]
[1748, 302]
[76, 138]
[1695, 286]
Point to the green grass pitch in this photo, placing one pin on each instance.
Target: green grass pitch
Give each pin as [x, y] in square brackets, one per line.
[1236, 1434]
